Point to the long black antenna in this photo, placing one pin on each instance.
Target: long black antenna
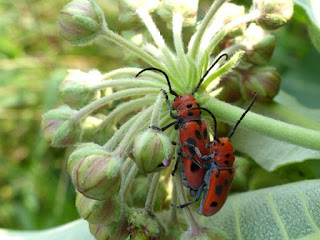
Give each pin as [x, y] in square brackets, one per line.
[214, 120]
[245, 112]
[159, 70]
[201, 80]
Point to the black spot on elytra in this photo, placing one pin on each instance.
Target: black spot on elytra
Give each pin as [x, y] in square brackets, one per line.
[193, 144]
[194, 167]
[190, 113]
[217, 174]
[180, 96]
[213, 204]
[197, 134]
[230, 171]
[222, 144]
[219, 189]
[226, 182]
[205, 133]
[189, 106]
[199, 122]
[226, 162]
[227, 155]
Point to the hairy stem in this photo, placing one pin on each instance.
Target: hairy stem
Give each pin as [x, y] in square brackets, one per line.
[128, 83]
[270, 127]
[152, 192]
[204, 24]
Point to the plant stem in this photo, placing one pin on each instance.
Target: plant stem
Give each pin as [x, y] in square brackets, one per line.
[222, 70]
[204, 24]
[115, 96]
[152, 193]
[193, 224]
[119, 40]
[128, 83]
[155, 118]
[133, 71]
[270, 127]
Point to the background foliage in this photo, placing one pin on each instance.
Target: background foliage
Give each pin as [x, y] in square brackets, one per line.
[35, 191]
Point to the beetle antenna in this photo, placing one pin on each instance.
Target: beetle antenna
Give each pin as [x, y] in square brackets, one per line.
[243, 115]
[159, 70]
[209, 69]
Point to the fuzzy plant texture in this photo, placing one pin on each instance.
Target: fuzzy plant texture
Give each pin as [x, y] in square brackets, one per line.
[121, 168]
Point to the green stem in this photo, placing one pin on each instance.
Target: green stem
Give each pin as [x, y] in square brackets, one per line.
[133, 71]
[193, 224]
[115, 96]
[204, 24]
[125, 108]
[152, 193]
[155, 118]
[125, 187]
[270, 127]
[222, 70]
[127, 83]
[177, 21]
[252, 16]
[117, 39]
[158, 39]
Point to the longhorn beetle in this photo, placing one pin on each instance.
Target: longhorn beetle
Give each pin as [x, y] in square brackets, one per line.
[191, 130]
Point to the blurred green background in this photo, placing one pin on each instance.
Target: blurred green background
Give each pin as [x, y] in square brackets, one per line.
[35, 190]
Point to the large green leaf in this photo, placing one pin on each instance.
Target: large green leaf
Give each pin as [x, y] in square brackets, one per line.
[290, 211]
[77, 230]
[312, 8]
[270, 153]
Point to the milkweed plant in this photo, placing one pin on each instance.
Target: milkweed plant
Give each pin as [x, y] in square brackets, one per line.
[121, 168]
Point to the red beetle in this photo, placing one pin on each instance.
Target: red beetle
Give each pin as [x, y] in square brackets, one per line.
[192, 130]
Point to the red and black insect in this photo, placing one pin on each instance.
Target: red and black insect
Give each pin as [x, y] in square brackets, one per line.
[220, 170]
[191, 130]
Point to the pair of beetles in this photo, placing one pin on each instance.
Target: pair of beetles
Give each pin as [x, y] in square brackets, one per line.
[206, 166]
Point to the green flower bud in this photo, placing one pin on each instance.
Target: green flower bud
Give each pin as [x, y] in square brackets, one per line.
[58, 128]
[112, 231]
[151, 151]
[97, 212]
[81, 21]
[150, 5]
[75, 88]
[264, 80]
[230, 87]
[144, 226]
[274, 13]
[203, 234]
[94, 172]
[259, 45]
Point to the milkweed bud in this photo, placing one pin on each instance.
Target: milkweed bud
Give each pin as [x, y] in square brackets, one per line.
[264, 80]
[259, 45]
[81, 21]
[143, 226]
[112, 231]
[274, 13]
[75, 88]
[58, 128]
[230, 87]
[151, 151]
[97, 212]
[94, 172]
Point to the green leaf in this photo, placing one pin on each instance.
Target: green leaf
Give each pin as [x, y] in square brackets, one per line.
[77, 230]
[290, 211]
[270, 153]
[312, 8]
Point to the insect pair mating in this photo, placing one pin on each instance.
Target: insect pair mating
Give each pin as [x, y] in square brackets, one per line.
[206, 166]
